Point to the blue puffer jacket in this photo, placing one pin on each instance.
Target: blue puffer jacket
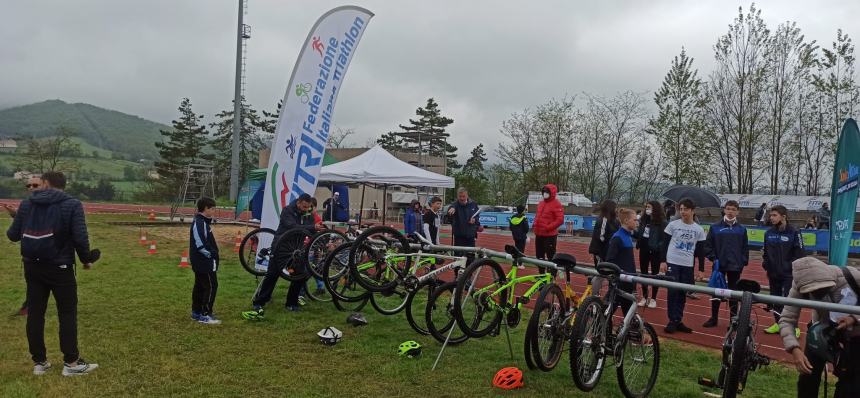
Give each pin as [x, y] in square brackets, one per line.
[781, 248]
[72, 235]
[730, 245]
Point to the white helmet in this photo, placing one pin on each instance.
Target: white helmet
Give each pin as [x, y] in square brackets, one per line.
[330, 335]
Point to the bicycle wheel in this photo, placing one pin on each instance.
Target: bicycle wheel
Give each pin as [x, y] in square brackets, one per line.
[350, 306]
[416, 304]
[390, 302]
[547, 323]
[586, 344]
[316, 291]
[339, 282]
[476, 303]
[439, 315]
[379, 258]
[639, 361]
[289, 254]
[253, 258]
[320, 245]
[527, 346]
[738, 365]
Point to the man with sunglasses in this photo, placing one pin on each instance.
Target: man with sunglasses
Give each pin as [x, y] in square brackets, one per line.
[34, 183]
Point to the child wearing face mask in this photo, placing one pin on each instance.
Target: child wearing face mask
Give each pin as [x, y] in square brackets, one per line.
[549, 216]
[728, 249]
[649, 240]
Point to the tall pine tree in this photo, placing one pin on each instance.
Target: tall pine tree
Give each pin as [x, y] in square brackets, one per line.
[250, 144]
[426, 135]
[181, 146]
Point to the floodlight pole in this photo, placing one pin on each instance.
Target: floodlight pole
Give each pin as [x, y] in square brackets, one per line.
[237, 108]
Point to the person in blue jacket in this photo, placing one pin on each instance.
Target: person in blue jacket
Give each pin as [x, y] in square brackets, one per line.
[620, 253]
[782, 245]
[728, 244]
[465, 224]
[519, 226]
[412, 218]
[203, 255]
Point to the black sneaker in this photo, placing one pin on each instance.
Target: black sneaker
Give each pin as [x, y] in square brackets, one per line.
[681, 327]
[710, 323]
[671, 328]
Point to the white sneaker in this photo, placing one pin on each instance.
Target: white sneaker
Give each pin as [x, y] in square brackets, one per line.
[39, 368]
[80, 369]
[652, 303]
[642, 302]
[209, 320]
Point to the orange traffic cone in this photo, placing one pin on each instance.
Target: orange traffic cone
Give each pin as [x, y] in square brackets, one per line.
[183, 262]
[143, 239]
[237, 242]
[152, 248]
[151, 216]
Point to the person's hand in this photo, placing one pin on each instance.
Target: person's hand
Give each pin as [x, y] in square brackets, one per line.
[319, 227]
[88, 265]
[800, 362]
[451, 211]
[9, 209]
[471, 220]
[846, 322]
[480, 228]
[663, 268]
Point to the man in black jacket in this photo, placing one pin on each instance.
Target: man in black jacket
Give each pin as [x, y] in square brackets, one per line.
[728, 244]
[296, 215]
[465, 225]
[51, 228]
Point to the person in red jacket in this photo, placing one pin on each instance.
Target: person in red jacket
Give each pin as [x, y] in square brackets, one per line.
[550, 216]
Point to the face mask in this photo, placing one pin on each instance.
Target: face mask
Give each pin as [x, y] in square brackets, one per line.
[648, 212]
[731, 220]
[546, 195]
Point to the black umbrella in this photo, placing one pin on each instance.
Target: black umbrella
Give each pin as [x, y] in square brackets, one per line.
[700, 197]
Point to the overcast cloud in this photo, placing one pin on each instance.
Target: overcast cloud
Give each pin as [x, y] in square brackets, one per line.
[481, 60]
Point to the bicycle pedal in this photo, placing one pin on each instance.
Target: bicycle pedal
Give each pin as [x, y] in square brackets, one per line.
[522, 300]
[704, 381]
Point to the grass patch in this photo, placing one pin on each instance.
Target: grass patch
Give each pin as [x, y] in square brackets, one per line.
[134, 321]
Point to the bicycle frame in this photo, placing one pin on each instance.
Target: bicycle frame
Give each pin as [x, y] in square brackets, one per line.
[538, 281]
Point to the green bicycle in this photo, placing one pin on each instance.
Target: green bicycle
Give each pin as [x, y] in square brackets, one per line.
[485, 294]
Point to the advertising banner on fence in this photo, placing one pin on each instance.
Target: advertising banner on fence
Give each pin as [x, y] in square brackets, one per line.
[843, 192]
[308, 111]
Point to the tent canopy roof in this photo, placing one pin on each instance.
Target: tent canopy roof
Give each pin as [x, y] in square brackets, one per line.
[377, 166]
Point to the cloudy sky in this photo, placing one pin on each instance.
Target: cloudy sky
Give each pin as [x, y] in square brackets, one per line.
[481, 60]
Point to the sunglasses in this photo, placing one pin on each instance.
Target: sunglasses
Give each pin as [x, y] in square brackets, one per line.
[31, 186]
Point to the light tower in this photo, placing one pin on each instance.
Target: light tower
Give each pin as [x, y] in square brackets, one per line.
[243, 33]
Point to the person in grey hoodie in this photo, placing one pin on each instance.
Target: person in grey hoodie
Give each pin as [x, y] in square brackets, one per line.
[815, 280]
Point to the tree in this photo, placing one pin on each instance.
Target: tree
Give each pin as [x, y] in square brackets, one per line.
[621, 119]
[183, 146]
[390, 141]
[426, 135]
[338, 137]
[736, 110]
[679, 123]
[250, 143]
[475, 164]
[50, 154]
[268, 124]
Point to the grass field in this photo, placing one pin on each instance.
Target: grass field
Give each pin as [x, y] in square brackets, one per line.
[134, 321]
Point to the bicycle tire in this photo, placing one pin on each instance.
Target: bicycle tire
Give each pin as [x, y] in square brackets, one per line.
[623, 383]
[288, 254]
[312, 291]
[249, 243]
[588, 320]
[321, 243]
[549, 331]
[415, 306]
[350, 306]
[389, 302]
[339, 282]
[740, 347]
[381, 276]
[465, 284]
[439, 315]
[527, 346]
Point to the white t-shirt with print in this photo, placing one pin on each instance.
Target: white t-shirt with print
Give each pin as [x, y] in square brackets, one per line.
[683, 242]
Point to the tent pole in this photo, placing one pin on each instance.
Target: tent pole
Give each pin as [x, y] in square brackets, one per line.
[384, 205]
[361, 205]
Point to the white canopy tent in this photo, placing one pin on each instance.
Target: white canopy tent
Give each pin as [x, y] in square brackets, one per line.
[377, 166]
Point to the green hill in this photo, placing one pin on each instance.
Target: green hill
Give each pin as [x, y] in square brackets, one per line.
[102, 128]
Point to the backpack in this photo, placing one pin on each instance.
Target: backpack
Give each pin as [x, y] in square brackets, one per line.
[39, 239]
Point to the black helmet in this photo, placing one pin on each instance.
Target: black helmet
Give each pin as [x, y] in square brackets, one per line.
[356, 319]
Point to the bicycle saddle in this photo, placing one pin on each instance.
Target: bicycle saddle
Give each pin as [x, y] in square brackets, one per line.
[746, 285]
[513, 251]
[565, 260]
[608, 269]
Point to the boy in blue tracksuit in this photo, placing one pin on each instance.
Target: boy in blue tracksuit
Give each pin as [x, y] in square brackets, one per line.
[203, 253]
[729, 245]
[620, 253]
[519, 226]
[782, 245]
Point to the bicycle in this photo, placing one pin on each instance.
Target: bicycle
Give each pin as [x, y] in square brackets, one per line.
[633, 347]
[347, 295]
[739, 351]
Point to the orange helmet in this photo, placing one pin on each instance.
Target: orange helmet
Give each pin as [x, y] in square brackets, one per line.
[508, 379]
